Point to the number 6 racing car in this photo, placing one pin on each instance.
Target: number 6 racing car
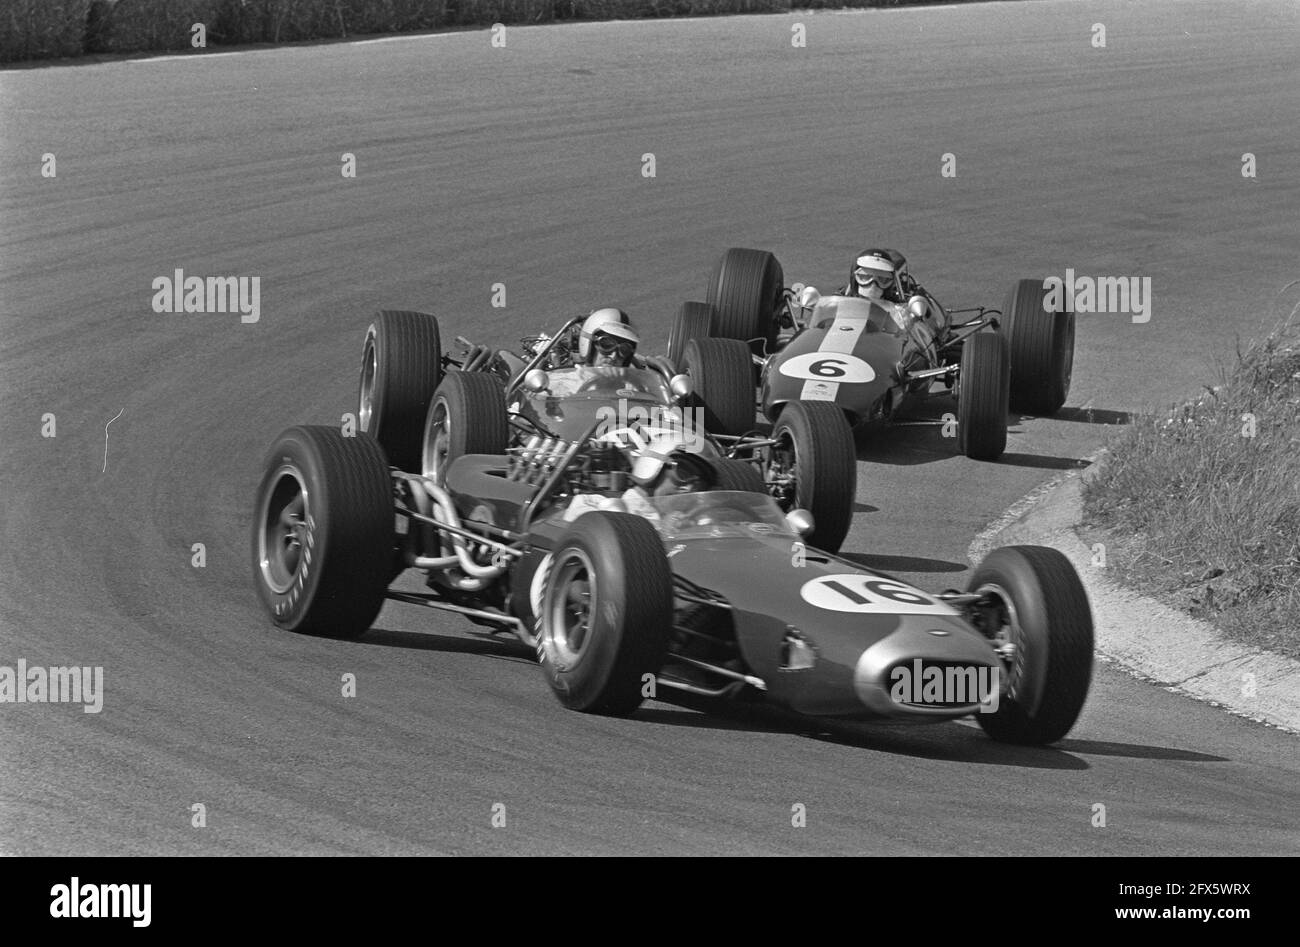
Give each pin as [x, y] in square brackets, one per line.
[710, 593]
[872, 357]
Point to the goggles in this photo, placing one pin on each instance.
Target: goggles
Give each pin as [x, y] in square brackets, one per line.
[610, 345]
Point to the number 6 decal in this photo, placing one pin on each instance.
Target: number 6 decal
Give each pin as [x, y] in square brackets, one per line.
[828, 366]
[854, 592]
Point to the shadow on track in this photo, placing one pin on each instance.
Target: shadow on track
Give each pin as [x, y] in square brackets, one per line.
[953, 742]
[500, 646]
[1136, 751]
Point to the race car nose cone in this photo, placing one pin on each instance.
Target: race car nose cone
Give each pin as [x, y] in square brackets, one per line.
[920, 643]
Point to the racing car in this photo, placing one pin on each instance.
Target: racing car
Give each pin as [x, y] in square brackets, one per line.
[427, 407]
[711, 593]
[873, 358]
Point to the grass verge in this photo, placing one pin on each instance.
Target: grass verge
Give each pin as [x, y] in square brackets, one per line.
[1200, 507]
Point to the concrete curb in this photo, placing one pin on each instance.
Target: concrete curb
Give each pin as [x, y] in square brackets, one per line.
[1147, 638]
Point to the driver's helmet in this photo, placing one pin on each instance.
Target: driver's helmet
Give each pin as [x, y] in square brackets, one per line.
[607, 337]
[873, 275]
[666, 465]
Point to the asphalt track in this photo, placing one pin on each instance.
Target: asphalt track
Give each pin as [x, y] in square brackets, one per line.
[522, 165]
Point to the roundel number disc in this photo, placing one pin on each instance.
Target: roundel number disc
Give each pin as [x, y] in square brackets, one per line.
[855, 592]
[828, 366]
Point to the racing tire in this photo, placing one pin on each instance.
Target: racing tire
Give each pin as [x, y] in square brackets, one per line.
[467, 416]
[746, 288]
[1042, 349]
[738, 475]
[322, 538]
[722, 376]
[607, 612]
[401, 367]
[693, 321]
[816, 443]
[1045, 614]
[982, 400]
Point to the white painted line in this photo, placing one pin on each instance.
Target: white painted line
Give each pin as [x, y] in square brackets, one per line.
[114, 418]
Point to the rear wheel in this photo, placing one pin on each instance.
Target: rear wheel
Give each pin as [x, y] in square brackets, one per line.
[401, 366]
[322, 543]
[693, 321]
[1040, 622]
[467, 416]
[815, 466]
[606, 613]
[722, 378]
[746, 288]
[982, 397]
[1041, 346]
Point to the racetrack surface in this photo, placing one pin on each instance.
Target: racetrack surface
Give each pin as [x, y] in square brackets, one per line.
[522, 165]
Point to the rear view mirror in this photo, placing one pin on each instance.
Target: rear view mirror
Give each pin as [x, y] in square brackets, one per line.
[537, 381]
[801, 521]
[681, 386]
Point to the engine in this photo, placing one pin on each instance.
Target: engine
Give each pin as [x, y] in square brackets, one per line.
[600, 468]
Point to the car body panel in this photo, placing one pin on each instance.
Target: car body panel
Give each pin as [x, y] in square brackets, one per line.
[855, 648]
[583, 395]
[849, 354]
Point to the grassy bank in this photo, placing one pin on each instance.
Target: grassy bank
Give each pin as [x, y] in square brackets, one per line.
[1201, 506]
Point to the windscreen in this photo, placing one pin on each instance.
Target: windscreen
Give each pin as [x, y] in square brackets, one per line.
[878, 316]
[717, 513]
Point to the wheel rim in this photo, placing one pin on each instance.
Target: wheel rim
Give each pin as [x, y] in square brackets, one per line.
[283, 544]
[369, 369]
[1006, 640]
[784, 466]
[571, 607]
[437, 442]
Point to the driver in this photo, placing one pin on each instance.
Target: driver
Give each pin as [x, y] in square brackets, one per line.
[874, 276]
[608, 339]
[667, 467]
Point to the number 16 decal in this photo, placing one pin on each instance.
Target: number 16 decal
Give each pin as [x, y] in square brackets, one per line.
[854, 592]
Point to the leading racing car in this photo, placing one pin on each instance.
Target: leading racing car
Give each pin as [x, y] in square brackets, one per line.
[713, 593]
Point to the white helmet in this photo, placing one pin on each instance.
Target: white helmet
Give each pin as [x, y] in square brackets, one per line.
[873, 274]
[608, 330]
[672, 451]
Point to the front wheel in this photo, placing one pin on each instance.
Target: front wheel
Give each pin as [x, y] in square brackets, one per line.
[1039, 620]
[722, 375]
[814, 466]
[323, 537]
[606, 613]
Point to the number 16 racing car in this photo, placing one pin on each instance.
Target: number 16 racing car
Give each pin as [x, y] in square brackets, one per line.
[712, 593]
